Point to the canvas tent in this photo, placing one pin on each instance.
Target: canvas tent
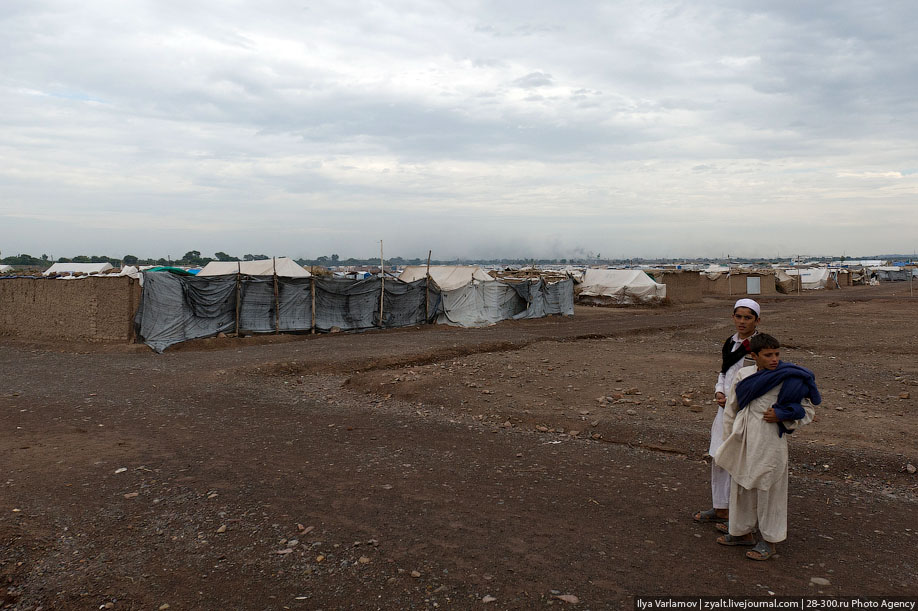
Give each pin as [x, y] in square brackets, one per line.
[811, 278]
[4, 268]
[447, 277]
[77, 268]
[783, 282]
[283, 266]
[620, 286]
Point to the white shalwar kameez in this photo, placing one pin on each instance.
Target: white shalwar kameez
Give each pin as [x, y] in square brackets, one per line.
[720, 479]
[756, 458]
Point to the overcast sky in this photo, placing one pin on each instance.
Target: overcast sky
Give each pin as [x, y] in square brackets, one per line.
[475, 129]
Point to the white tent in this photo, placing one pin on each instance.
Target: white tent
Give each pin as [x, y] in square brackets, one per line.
[77, 268]
[284, 266]
[811, 278]
[4, 268]
[621, 286]
[447, 277]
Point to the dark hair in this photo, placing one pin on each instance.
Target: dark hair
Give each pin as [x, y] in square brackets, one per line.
[754, 313]
[763, 341]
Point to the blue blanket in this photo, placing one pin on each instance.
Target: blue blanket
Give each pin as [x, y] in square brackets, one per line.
[799, 383]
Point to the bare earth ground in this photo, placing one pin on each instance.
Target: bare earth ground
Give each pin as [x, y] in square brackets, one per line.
[434, 467]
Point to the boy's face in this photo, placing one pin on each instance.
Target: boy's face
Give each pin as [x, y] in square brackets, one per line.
[745, 321]
[767, 358]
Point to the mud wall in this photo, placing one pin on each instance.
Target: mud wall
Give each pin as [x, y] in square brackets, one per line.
[681, 286]
[87, 309]
[737, 284]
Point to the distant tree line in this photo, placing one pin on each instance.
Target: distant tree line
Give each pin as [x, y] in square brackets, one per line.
[194, 258]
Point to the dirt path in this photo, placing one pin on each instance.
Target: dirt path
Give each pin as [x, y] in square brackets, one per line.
[433, 467]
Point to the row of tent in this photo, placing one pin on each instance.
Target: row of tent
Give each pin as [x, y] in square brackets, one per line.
[176, 308]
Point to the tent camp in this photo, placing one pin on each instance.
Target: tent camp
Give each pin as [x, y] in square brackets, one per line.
[4, 268]
[77, 268]
[620, 286]
[447, 277]
[890, 273]
[283, 266]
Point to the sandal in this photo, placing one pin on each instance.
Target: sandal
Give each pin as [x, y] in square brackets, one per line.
[763, 549]
[708, 515]
[724, 527]
[729, 539]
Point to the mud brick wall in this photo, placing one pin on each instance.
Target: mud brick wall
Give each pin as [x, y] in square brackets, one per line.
[86, 309]
[737, 285]
[681, 286]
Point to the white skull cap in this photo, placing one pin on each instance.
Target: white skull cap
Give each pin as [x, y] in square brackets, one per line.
[748, 303]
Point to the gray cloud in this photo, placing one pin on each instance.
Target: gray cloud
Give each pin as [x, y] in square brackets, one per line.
[533, 80]
[505, 128]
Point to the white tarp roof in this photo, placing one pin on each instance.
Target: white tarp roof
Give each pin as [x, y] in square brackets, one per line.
[286, 268]
[74, 268]
[447, 277]
[624, 285]
[3, 268]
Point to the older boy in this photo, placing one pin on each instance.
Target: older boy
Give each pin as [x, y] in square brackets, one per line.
[746, 317]
[767, 401]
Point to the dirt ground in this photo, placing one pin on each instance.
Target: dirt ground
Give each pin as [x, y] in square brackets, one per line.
[541, 463]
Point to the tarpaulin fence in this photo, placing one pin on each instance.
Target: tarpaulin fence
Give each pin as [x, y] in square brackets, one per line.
[178, 308]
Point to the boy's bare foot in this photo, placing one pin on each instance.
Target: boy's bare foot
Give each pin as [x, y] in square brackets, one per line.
[712, 515]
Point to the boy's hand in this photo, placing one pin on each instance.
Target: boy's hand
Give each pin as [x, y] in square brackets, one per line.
[721, 398]
[771, 416]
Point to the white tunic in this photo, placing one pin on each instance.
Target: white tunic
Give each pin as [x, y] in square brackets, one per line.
[752, 452]
[724, 384]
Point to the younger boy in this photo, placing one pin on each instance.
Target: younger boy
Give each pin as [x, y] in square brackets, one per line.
[768, 400]
[746, 317]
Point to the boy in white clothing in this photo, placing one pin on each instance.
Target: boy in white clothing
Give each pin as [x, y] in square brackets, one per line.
[766, 402]
[746, 318]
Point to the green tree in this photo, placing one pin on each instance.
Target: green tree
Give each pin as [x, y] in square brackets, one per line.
[222, 256]
[24, 259]
[129, 260]
[81, 259]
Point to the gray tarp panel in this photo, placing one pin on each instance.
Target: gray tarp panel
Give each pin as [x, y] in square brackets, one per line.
[295, 295]
[559, 298]
[256, 304]
[479, 304]
[405, 303]
[352, 305]
[546, 299]
[533, 293]
[486, 303]
[347, 304]
[257, 311]
[178, 308]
